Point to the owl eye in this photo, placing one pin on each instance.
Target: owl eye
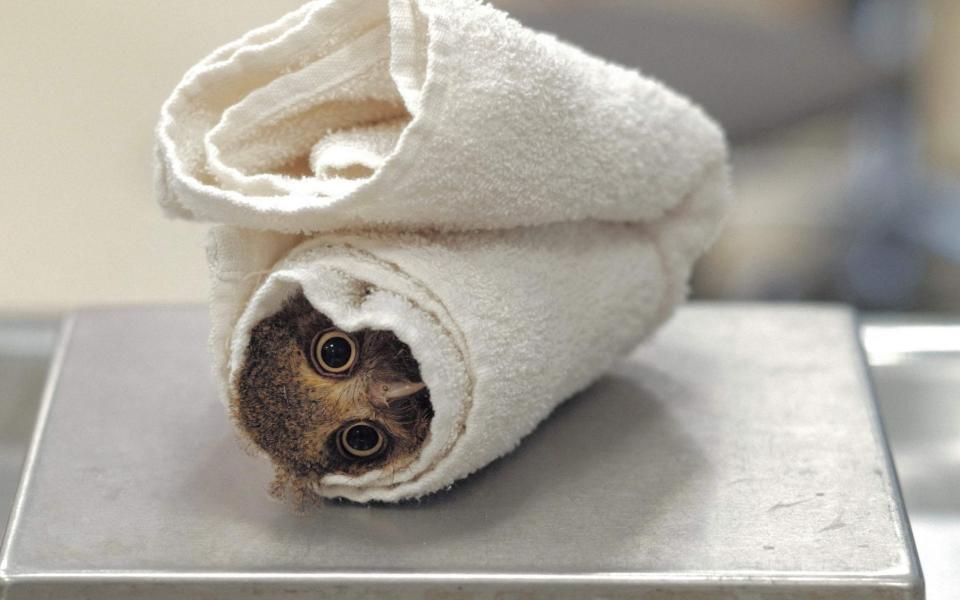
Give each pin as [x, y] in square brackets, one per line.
[334, 352]
[360, 440]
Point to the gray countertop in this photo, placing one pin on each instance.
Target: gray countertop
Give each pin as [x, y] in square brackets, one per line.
[26, 345]
[739, 451]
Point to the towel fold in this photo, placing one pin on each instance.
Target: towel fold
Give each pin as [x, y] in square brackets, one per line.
[496, 126]
[519, 213]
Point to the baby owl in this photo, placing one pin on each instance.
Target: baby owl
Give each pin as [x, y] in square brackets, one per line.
[320, 400]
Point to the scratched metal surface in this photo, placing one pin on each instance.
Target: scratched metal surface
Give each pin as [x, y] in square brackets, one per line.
[737, 455]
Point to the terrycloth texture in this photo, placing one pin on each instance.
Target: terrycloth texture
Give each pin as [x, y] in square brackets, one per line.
[516, 211]
[501, 126]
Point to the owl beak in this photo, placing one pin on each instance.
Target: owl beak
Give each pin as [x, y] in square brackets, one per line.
[384, 392]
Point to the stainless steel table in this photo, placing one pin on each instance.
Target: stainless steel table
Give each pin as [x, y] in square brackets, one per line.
[25, 348]
[738, 455]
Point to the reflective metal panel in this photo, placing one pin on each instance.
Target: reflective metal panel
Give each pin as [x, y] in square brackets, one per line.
[916, 369]
[25, 348]
[737, 454]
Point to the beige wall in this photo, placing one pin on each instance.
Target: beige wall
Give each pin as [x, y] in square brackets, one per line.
[940, 84]
[81, 82]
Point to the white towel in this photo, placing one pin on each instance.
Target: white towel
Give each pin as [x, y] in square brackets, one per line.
[518, 212]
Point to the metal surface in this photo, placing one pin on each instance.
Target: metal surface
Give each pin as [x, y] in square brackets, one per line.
[739, 453]
[916, 369]
[25, 348]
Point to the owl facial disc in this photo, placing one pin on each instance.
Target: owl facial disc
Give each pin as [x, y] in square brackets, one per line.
[320, 400]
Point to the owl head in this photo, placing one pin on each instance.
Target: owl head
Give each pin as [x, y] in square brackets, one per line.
[321, 400]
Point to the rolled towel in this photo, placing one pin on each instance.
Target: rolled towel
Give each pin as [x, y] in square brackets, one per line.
[516, 213]
[443, 114]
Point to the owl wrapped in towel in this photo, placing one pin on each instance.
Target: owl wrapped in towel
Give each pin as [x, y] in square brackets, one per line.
[320, 400]
[433, 226]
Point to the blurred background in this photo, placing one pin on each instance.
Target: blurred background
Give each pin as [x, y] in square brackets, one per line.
[845, 121]
[844, 116]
